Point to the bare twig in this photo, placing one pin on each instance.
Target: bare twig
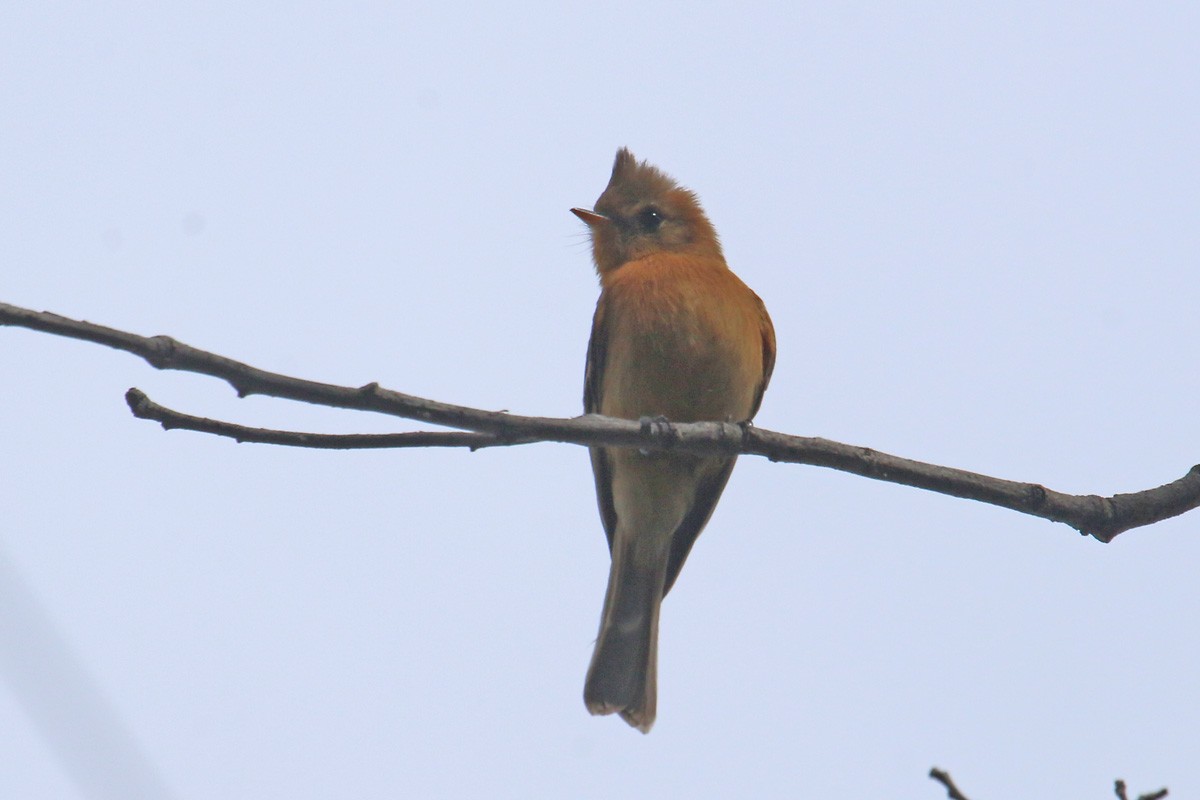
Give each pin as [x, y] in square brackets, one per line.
[145, 408]
[943, 777]
[1100, 517]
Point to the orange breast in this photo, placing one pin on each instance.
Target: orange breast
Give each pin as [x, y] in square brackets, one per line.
[684, 341]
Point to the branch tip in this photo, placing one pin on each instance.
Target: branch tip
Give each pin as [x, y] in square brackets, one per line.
[136, 399]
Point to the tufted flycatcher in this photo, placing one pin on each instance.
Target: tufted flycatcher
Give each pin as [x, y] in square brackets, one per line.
[677, 335]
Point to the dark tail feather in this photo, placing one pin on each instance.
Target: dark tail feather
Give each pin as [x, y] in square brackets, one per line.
[622, 676]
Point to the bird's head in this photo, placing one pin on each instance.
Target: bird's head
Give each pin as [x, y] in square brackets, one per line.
[643, 211]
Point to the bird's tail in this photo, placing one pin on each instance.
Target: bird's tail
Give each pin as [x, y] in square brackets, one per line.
[622, 676]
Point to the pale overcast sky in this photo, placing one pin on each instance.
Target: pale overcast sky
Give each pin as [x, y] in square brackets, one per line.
[975, 227]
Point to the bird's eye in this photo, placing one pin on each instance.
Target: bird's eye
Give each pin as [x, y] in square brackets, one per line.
[648, 219]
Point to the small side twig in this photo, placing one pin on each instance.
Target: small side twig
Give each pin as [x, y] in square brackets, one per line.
[145, 408]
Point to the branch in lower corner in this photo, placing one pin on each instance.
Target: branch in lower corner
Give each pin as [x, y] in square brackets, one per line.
[943, 777]
[1119, 788]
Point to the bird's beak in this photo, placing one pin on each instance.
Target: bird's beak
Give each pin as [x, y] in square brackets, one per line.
[590, 217]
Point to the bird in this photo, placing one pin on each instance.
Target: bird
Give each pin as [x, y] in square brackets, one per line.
[676, 335]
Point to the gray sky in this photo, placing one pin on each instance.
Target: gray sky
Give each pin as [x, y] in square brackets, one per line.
[975, 230]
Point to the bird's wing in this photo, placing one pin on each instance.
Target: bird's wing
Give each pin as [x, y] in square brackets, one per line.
[768, 353]
[593, 388]
[708, 492]
[710, 488]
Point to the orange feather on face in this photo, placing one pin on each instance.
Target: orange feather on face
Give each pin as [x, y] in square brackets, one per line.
[676, 334]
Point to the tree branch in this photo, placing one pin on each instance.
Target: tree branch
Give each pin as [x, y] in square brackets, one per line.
[1101, 517]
